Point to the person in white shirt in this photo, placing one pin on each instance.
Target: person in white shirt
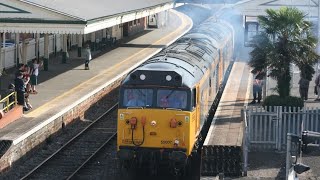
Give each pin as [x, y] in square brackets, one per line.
[87, 58]
[34, 75]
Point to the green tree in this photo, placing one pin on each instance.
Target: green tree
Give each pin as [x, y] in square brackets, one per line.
[286, 38]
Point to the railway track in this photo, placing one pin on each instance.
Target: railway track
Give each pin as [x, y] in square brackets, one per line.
[66, 162]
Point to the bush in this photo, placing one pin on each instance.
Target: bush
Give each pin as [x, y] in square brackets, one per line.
[289, 101]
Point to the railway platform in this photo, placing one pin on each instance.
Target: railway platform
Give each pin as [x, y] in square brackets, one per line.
[66, 91]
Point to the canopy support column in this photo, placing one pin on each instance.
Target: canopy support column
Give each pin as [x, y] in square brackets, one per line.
[24, 53]
[79, 44]
[37, 45]
[17, 53]
[64, 50]
[46, 52]
[93, 41]
[2, 56]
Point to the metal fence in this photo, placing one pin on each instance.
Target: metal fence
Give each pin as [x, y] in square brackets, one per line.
[267, 128]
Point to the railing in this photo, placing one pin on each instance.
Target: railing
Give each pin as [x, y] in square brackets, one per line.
[267, 129]
[9, 101]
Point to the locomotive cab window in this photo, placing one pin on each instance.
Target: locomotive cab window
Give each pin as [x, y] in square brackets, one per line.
[137, 97]
[170, 98]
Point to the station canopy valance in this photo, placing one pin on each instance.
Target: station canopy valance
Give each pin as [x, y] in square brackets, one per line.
[73, 16]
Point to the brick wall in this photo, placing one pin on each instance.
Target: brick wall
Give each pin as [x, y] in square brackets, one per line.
[15, 152]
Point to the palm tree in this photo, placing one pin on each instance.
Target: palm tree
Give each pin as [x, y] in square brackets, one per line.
[287, 38]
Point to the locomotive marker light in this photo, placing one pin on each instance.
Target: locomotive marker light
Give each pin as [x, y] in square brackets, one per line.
[142, 77]
[168, 78]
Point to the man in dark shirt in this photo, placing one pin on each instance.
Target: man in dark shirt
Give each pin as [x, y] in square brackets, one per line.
[20, 88]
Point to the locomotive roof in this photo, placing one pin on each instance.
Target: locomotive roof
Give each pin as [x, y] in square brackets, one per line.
[186, 60]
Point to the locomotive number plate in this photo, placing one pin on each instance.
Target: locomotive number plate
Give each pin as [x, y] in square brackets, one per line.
[166, 142]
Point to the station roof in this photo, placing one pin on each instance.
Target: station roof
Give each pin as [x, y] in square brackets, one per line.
[73, 16]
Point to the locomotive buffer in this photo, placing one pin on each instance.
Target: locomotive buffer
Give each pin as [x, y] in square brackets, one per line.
[222, 149]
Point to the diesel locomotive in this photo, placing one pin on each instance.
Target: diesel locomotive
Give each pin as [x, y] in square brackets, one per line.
[164, 103]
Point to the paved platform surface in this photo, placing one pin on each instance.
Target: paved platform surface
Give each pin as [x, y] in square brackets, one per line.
[65, 84]
[226, 128]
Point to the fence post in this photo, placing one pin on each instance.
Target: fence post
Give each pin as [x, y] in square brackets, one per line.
[303, 122]
[249, 125]
[288, 154]
[245, 142]
[279, 113]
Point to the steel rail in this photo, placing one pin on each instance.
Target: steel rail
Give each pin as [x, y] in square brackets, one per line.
[70, 141]
[89, 158]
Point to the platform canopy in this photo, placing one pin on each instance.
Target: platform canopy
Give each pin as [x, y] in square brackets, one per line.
[258, 7]
[73, 16]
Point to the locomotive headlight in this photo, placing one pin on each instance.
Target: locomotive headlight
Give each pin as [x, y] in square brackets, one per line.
[142, 77]
[153, 123]
[176, 142]
[168, 78]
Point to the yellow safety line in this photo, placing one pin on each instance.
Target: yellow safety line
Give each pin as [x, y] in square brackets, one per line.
[44, 106]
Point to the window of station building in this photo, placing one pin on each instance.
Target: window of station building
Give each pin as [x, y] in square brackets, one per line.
[170, 98]
[251, 29]
[137, 97]
[130, 23]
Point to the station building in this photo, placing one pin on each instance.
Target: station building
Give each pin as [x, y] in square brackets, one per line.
[35, 29]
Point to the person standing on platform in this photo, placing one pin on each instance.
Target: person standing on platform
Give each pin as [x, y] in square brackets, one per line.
[317, 84]
[34, 76]
[257, 87]
[303, 87]
[87, 57]
[20, 87]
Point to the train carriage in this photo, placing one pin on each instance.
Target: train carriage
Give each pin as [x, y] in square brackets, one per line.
[164, 102]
